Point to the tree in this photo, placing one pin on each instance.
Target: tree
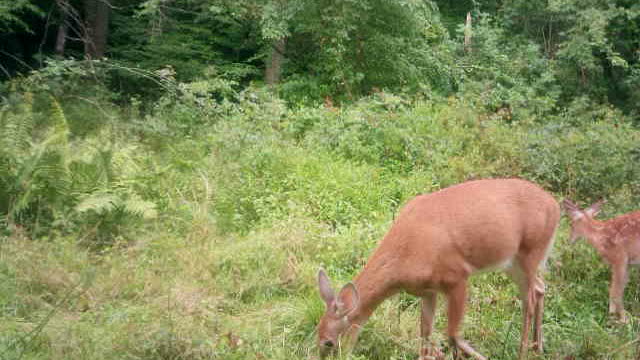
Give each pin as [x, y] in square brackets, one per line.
[96, 28]
[10, 12]
[592, 42]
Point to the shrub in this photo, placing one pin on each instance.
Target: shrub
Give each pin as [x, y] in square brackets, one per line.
[53, 183]
[592, 160]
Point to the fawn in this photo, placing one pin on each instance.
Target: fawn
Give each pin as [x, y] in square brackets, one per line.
[617, 241]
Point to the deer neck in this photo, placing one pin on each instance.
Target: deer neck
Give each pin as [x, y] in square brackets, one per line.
[374, 284]
[596, 232]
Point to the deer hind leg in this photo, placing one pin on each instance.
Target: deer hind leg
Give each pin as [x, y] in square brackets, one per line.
[524, 275]
[538, 337]
[428, 350]
[456, 297]
[619, 278]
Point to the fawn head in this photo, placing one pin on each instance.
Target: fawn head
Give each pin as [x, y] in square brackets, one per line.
[335, 320]
[581, 219]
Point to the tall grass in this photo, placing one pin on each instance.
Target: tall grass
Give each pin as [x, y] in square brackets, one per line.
[253, 202]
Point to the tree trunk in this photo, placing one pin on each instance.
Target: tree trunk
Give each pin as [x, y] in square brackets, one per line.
[274, 63]
[467, 33]
[61, 38]
[96, 28]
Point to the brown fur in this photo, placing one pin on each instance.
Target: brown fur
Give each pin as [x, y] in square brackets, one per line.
[436, 243]
[617, 241]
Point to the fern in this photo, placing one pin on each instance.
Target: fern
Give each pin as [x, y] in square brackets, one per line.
[137, 206]
[60, 130]
[34, 171]
[17, 126]
[104, 202]
[98, 202]
[48, 181]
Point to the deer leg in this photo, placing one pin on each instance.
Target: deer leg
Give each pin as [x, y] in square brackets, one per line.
[428, 351]
[619, 280]
[524, 276]
[456, 297]
[528, 305]
[538, 338]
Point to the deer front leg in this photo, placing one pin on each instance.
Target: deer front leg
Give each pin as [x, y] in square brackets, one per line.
[428, 351]
[619, 280]
[456, 298]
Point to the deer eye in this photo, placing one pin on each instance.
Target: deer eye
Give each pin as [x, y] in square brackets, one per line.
[328, 343]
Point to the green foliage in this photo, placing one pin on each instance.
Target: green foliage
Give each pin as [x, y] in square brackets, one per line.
[194, 104]
[239, 199]
[528, 57]
[188, 36]
[589, 161]
[590, 40]
[53, 183]
[358, 46]
[10, 14]
[34, 171]
[276, 178]
[506, 76]
[62, 78]
[204, 203]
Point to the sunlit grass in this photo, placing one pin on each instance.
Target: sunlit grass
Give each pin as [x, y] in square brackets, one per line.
[248, 212]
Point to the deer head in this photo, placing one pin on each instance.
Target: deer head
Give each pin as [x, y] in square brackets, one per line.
[581, 219]
[335, 320]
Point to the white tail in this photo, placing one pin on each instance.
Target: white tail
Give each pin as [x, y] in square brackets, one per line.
[435, 244]
[617, 241]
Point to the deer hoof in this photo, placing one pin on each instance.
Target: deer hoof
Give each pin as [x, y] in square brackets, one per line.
[432, 354]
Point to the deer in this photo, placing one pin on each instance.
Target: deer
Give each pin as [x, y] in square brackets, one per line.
[616, 240]
[435, 244]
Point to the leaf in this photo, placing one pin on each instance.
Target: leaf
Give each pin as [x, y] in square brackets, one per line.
[137, 206]
[100, 203]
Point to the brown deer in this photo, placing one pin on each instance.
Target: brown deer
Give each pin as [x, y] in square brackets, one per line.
[618, 242]
[435, 244]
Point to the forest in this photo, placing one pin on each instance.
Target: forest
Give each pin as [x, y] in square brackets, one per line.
[173, 173]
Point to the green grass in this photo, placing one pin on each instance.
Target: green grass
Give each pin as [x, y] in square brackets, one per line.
[253, 297]
[249, 208]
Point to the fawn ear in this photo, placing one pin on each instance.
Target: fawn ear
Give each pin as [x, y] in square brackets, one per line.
[326, 292]
[572, 209]
[594, 209]
[348, 299]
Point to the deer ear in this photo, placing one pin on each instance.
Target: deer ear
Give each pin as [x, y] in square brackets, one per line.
[348, 299]
[326, 292]
[572, 209]
[594, 209]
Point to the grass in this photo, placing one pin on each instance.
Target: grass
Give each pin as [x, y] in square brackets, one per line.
[247, 212]
[254, 297]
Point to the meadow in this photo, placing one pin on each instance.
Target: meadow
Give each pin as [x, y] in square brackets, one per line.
[199, 234]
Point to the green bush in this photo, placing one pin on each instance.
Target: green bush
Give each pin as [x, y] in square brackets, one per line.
[503, 75]
[592, 160]
[51, 182]
[234, 200]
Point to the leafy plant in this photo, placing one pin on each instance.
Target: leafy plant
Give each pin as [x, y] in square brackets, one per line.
[51, 182]
[593, 160]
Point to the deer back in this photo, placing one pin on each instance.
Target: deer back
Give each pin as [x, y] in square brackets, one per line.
[623, 232]
[467, 227]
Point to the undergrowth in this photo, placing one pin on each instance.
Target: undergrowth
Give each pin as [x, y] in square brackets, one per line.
[168, 241]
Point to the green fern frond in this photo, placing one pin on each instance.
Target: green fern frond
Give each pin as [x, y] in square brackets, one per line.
[137, 206]
[60, 130]
[17, 125]
[100, 202]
